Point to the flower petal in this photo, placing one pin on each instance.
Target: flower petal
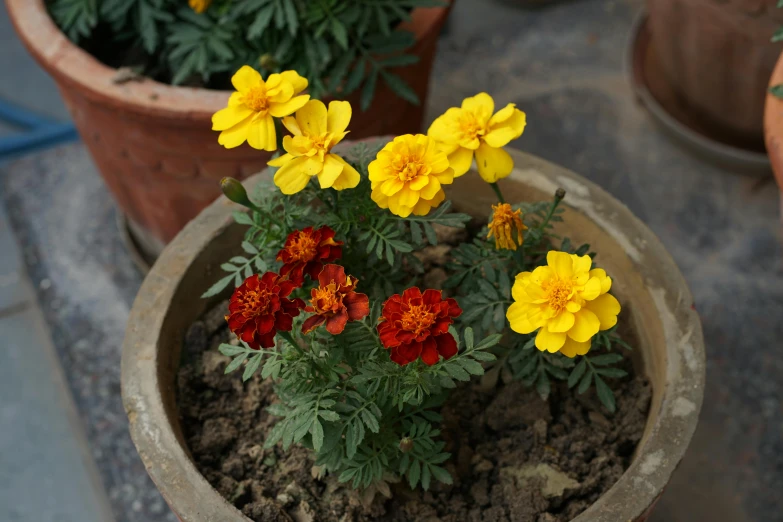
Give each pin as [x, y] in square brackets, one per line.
[460, 160]
[508, 124]
[278, 110]
[236, 135]
[297, 82]
[561, 263]
[261, 134]
[291, 177]
[408, 197]
[549, 341]
[280, 161]
[336, 323]
[330, 172]
[591, 290]
[585, 326]
[572, 348]
[338, 117]
[481, 105]
[493, 164]
[445, 127]
[230, 116]
[517, 315]
[431, 189]
[358, 305]
[562, 322]
[245, 78]
[447, 346]
[606, 307]
[429, 351]
[312, 118]
[313, 322]
[349, 177]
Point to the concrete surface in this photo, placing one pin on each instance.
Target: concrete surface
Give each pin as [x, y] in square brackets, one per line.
[563, 65]
[46, 473]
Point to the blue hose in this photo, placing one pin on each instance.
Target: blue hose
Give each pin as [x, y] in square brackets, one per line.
[38, 132]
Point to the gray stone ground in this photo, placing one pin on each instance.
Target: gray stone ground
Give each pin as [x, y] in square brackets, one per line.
[564, 66]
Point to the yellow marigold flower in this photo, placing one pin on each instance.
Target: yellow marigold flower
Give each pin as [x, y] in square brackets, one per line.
[248, 116]
[199, 6]
[566, 301]
[471, 129]
[504, 221]
[315, 131]
[407, 175]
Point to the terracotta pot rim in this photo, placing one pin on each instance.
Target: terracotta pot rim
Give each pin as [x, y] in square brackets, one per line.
[69, 63]
[667, 434]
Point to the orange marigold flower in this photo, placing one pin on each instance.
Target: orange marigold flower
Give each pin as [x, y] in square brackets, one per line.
[335, 302]
[199, 6]
[260, 307]
[504, 221]
[306, 251]
[416, 325]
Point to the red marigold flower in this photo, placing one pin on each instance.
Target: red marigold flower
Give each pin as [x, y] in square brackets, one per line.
[306, 251]
[417, 325]
[335, 302]
[260, 307]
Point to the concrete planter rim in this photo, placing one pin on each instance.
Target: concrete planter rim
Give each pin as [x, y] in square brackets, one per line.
[667, 434]
[68, 62]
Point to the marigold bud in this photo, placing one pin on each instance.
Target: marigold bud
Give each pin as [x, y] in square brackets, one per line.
[560, 194]
[406, 444]
[267, 61]
[234, 191]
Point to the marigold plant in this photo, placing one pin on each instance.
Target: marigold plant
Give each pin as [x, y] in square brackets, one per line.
[361, 375]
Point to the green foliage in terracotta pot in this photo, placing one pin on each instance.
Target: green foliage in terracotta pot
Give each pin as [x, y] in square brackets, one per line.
[338, 45]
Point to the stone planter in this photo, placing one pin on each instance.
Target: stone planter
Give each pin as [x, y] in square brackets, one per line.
[773, 129]
[647, 282]
[153, 143]
[717, 57]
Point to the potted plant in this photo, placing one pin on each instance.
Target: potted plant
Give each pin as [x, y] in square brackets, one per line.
[142, 79]
[383, 346]
[723, 45]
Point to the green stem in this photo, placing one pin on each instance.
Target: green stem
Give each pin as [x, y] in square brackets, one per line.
[289, 338]
[555, 203]
[499, 194]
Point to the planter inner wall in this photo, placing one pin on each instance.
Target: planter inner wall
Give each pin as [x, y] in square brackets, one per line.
[654, 296]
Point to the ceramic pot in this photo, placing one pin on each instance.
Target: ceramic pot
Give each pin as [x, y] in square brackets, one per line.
[717, 56]
[646, 280]
[153, 142]
[773, 129]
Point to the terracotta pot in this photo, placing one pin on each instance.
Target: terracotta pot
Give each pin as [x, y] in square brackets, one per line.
[773, 129]
[646, 280]
[153, 143]
[717, 56]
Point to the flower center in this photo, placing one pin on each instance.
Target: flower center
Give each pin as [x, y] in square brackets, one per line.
[326, 299]
[303, 248]
[417, 319]
[256, 99]
[470, 127]
[558, 292]
[256, 302]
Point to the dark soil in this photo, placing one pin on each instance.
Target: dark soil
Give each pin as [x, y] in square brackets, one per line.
[515, 457]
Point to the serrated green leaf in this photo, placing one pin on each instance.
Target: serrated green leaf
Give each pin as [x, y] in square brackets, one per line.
[542, 385]
[604, 394]
[218, 287]
[456, 372]
[441, 474]
[584, 384]
[400, 88]
[577, 373]
[329, 415]
[614, 373]
[251, 367]
[230, 350]
[468, 335]
[236, 363]
[317, 431]
[472, 367]
[414, 473]
[606, 359]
